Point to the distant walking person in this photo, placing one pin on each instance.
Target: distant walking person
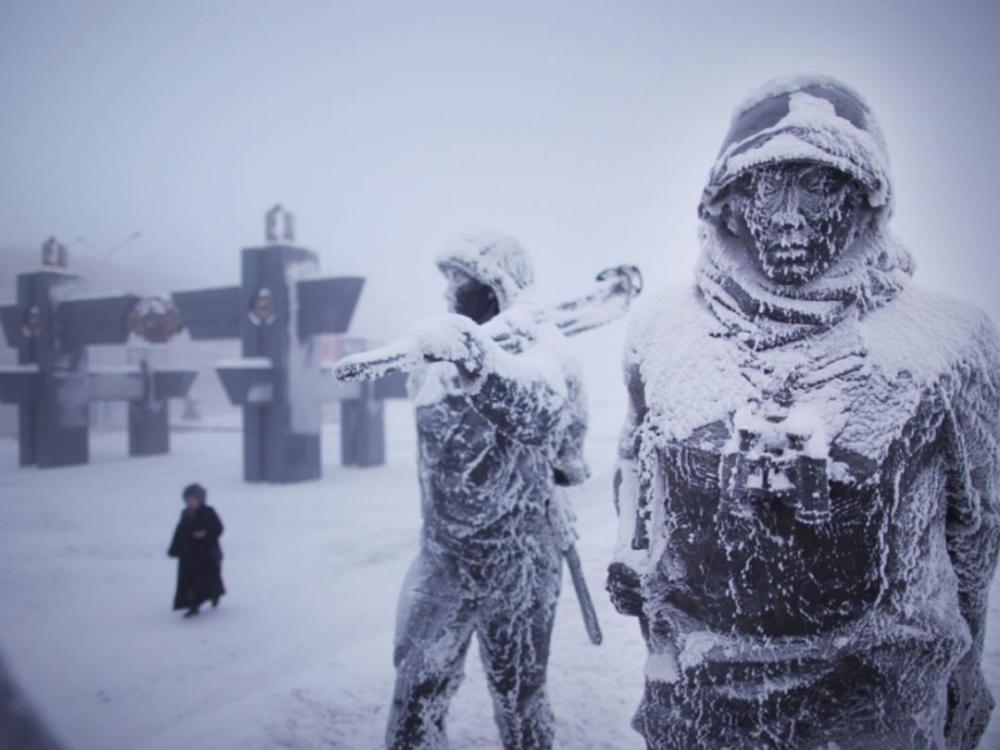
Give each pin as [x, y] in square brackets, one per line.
[199, 556]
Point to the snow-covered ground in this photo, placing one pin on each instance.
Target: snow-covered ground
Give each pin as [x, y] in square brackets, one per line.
[299, 653]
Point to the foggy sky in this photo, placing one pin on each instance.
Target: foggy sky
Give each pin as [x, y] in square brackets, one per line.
[586, 129]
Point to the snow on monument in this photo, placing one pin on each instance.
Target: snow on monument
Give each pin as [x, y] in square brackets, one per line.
[807, 486]
[51, 325]
[277, 311]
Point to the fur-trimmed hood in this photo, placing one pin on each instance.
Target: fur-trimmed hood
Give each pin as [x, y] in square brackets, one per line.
[494, 259]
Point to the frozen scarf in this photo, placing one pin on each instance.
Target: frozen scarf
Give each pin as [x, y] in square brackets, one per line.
[763, 314]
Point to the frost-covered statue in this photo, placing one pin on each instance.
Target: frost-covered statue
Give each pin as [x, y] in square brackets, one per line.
[807, 489]
[497, 432]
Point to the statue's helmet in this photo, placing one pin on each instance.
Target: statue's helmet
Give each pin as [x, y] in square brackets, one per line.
[491, 258]
[803, 119]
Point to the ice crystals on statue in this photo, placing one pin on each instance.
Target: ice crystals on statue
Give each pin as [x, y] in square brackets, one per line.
[778, 453]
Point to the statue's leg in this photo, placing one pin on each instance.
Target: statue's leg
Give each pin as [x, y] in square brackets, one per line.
[514, 632]
[433, 630]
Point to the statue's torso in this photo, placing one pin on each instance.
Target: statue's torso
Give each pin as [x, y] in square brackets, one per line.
[792, 492]
[478, 485]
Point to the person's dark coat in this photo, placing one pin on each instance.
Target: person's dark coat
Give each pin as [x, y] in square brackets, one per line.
[199, 557]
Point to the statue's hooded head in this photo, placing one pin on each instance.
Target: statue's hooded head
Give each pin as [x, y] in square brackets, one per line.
[802, 176]
[486, 272]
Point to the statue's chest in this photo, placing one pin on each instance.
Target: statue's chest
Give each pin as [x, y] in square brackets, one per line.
[784, 478]
[453, 435]
[777, 421]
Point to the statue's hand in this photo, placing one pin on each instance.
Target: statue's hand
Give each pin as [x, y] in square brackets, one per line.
[625, 589]
[453, 338]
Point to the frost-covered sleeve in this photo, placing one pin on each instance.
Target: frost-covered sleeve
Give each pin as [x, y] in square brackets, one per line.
[570, 466]
[623, 579]
[972, 437]
[523, 394]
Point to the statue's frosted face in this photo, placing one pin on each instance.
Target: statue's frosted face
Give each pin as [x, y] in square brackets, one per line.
[469, 297]
[796, 218]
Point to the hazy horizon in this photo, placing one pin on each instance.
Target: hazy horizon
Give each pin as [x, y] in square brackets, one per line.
[584, 129]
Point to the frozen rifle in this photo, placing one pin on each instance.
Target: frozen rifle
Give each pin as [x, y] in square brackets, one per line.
[511, 330]
[561, 522]
[583, 595]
